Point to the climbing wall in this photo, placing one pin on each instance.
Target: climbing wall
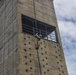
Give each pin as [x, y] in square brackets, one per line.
[40, 57]
[8, 37]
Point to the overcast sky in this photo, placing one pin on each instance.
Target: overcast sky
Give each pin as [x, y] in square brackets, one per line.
[66, 16]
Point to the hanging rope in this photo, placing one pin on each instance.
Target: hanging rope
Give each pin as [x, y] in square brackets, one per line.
[35, 15]
[37, 38]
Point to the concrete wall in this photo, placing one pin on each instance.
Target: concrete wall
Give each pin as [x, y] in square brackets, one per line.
[45, 11]
[8, 37]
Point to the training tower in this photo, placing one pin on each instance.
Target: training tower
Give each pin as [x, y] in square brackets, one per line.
[30, 43]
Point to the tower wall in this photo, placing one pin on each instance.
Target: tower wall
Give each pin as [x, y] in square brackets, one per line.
[8, 37]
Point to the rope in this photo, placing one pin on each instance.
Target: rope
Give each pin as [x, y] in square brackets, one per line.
[37, 39]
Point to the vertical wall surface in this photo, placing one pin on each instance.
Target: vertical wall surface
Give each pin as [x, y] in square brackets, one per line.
[8, 37]
[48, 59]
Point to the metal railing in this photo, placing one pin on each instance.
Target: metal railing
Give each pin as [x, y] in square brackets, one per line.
[44, 33]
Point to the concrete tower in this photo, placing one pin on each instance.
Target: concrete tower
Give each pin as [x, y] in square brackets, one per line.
[30, 43]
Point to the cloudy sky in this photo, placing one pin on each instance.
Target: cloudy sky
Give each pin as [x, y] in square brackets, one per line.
[66, 16]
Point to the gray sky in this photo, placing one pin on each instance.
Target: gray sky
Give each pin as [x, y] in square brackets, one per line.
[66, 16]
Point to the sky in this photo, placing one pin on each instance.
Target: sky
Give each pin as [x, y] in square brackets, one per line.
[66, 18]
